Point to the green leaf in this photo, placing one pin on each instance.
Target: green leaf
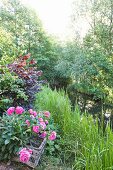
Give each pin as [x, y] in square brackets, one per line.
[57, 146]
[5, 156]
[15, 138]
[7, 141]
[3, 148]
[16, 149]
[9, 134]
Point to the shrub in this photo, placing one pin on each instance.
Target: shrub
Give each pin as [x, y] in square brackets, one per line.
[28, 73]
[11, 86]
[19, 82]
[18, 126]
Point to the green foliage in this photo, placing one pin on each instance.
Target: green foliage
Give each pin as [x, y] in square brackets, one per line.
[13, 134]
[83, 143]
[6, 43]
[28, 35]
[11, 86]
[22, 23]
[52, 147]
[48, 59]
[90, 149]
[57, 103]
[89, 67]
[88, 63]
[18, 129]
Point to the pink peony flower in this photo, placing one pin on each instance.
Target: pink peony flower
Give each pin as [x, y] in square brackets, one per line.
[43, 125]
[31, 111]
[36, 129]
[40, 119]
[46, 122]
[35, 113]
[19, 110]
[30, 151]
[27, 122]
[25, 156]
[26, 149]
[52, 136]
[43, 135]
[22, 150]
[10, 111]
[47, 114]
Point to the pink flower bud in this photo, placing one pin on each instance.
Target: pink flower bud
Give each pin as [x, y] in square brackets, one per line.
[40, 119]
[43, 135]
[46, 122]
[52, 136]
[30, 111]
[27, 122]
[47, 114]
[43, 125]
[35, 113]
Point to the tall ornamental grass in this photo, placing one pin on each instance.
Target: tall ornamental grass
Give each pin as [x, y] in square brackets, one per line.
[57, 103]
[87, 147]
[84, 145]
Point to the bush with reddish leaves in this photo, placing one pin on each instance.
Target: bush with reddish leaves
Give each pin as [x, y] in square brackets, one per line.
[25, 69]
[19, 82]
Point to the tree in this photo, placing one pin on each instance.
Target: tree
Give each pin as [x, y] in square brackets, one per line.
[6, 43]
[22, 23]
[99, 15]
[29, 36]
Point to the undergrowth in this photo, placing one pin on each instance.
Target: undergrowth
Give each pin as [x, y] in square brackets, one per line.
[84, 145]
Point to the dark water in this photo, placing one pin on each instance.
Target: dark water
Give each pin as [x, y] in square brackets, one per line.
[96, 108]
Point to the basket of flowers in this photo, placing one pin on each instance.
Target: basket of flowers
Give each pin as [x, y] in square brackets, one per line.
[24, 134]
[31, 155]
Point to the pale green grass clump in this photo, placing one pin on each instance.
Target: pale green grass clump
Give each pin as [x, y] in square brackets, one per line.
[57, 103]
[84, 145]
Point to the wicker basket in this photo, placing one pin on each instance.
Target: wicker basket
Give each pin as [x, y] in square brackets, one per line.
[35, 157]
[37, 152]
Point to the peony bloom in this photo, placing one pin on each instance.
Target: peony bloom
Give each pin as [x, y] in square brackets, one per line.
[31, 111]
[35, 113]
[19, 110]
[10, 111]
[52, 136]
[43, 135]
[25, 156]
[47, 114]
[43, 125]
[30, 151]
[40, 119]
[46, 122]
[36, 129]
[27, 122]
[25, 149]
[22, 150]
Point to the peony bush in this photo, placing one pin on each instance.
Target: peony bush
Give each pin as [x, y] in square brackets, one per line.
[18, 127]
